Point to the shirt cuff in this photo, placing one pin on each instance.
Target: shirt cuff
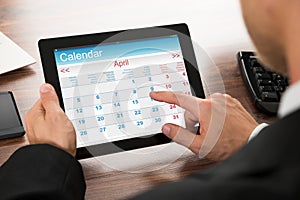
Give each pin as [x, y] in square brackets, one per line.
[257, 130]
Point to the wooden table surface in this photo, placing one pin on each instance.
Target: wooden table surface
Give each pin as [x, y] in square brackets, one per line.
[27, 21]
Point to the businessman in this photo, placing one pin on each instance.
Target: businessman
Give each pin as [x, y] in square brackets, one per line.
[268, 167]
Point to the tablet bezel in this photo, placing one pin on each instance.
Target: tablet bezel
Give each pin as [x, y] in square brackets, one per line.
[47, 47]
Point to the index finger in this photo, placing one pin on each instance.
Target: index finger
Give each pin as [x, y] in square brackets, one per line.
[187, 102]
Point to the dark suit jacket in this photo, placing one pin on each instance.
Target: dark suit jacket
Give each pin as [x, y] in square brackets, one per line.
[41, 172]
[267, 168]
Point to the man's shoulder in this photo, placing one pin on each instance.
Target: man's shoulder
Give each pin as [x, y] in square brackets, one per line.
[283, 129]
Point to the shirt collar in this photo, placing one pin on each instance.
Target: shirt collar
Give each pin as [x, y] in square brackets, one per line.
[290, 101]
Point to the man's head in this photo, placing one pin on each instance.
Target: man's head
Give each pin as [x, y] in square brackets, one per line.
[268, 23]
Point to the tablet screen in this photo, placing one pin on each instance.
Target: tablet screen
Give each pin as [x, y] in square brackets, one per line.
[105, 87]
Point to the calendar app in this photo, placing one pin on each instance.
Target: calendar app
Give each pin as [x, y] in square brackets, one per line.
[105, 88]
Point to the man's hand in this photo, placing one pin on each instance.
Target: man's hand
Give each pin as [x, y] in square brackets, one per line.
[225, 126]
[46, 122]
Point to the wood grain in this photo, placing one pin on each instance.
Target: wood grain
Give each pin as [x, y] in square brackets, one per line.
[26, 22]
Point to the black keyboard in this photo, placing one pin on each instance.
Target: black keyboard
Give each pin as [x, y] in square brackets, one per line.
[265, 86]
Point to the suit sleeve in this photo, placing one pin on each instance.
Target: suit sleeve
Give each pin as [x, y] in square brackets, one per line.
[266, 168]
[41, 172]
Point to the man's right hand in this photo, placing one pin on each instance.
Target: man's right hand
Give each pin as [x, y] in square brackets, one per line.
[225, 125]
[46, 122]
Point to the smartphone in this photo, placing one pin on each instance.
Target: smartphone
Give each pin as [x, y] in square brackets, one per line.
[10, 121]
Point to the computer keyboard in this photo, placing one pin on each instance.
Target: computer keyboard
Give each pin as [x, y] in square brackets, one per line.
[265, 86]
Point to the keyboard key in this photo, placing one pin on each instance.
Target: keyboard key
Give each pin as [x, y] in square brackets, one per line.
[264, 76]
[278, 88]
[276, 77]
[254, 63]
[281, 82]
[269, 96]
[264, 82]
[265, 89]
[258, 70]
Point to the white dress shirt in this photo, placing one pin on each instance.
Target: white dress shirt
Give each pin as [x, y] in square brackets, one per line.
[290, 102]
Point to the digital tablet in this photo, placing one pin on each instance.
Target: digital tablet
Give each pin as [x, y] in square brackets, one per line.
[103, 82]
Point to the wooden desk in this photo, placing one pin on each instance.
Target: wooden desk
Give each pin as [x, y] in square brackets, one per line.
[27, 21]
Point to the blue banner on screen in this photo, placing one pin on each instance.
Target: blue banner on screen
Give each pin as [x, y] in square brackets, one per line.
[115, 50]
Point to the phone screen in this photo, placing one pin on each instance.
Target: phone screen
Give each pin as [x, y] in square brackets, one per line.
[10, 122]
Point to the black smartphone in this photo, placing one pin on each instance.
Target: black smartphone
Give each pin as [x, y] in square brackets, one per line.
[10, 121]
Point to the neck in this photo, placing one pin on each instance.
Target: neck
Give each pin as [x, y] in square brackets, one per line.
[294, 67]
[292, 48]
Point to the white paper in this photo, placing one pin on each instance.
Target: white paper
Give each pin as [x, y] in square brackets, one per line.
[12, 56]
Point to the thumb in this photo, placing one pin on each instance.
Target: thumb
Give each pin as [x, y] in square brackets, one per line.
[183, 136]
[49, 98]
